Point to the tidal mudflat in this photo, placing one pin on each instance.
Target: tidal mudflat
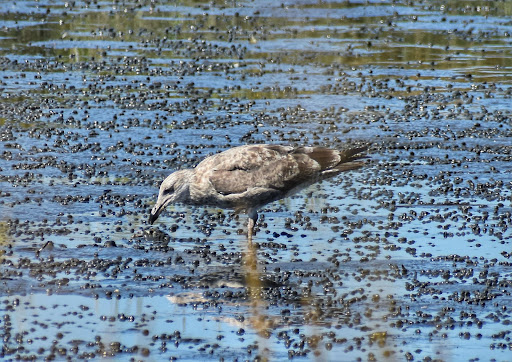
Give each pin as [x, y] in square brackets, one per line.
[407, 258]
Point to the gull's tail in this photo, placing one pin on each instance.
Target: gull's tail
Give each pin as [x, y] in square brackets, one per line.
[351, 159]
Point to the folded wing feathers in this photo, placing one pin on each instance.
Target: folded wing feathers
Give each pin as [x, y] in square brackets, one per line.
[329, 159]
[280, 167]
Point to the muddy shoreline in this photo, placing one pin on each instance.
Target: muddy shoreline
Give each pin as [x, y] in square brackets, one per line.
[407, 258]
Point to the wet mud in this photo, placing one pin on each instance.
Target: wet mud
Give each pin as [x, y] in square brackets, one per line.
[407, 258]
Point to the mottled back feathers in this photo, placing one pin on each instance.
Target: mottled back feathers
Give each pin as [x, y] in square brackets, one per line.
[271, 170]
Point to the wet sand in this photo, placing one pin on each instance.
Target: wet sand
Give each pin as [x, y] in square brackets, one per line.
[407, 258]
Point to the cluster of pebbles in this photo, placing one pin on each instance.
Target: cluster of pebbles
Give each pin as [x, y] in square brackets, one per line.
[406, 258]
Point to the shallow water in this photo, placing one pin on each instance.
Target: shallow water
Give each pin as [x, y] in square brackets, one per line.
[407, 258]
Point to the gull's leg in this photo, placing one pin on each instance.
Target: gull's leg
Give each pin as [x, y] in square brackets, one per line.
[253, 217]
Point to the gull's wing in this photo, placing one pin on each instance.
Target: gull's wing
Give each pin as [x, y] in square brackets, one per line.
[273, 168]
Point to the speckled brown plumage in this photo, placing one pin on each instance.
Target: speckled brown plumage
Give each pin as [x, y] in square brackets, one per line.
[247, 177]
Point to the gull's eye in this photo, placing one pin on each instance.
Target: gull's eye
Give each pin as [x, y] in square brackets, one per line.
[168, 191]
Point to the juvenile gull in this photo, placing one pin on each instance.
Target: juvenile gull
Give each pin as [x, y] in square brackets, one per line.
[245, 178]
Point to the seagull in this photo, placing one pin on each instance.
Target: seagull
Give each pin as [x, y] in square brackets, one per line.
[246, 178]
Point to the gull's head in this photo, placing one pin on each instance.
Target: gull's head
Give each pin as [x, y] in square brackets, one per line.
[175, 188]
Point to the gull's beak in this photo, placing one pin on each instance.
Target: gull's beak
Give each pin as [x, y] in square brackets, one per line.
[155, 212]
[160, 206]
[152, 218]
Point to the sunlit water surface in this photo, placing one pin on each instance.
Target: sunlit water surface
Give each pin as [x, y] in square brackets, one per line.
[404, 259]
